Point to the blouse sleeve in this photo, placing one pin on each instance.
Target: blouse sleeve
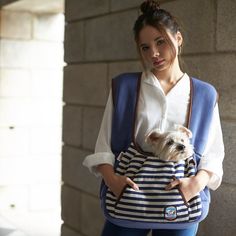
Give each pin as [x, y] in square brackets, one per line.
[103, 153]
[214, 152]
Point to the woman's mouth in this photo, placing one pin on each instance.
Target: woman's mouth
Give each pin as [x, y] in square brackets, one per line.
[158, 62]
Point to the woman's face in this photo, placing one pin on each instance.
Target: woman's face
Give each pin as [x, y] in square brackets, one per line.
[155, 51]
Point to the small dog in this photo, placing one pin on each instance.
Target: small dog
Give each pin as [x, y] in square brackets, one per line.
[171, 146]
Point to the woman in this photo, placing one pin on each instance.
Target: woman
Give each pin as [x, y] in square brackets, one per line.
[164, 101]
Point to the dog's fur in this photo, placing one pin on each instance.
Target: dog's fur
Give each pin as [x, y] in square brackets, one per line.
[171, 146]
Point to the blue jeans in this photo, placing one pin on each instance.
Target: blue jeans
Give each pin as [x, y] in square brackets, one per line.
[114, 230]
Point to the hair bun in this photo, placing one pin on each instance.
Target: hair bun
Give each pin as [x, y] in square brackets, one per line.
[149, 6]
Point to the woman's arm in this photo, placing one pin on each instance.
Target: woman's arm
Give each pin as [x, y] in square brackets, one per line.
[115, 182]
[102, 161]
[102, 153]
[210, 169]
[212, 159]
[190, 187]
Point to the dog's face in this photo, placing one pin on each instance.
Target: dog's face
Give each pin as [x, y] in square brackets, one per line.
[171, 146]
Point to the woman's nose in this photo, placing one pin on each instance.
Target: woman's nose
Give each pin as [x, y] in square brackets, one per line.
[155, 52]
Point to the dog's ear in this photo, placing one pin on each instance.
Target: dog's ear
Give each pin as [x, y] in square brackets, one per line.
[153, 136]
[185, 130]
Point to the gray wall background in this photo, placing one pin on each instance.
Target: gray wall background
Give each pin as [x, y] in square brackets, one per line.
[98, 45]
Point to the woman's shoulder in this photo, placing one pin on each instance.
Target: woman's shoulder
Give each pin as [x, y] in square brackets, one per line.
[203, 85]
[204, 89]
[130, 79]
[127, 75]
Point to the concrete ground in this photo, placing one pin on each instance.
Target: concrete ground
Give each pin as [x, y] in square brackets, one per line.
[14, 223]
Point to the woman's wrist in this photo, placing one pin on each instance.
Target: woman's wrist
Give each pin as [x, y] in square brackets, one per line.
[107, 172]
[202, 179]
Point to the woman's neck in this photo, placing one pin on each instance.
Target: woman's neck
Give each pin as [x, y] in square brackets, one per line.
[169, 77]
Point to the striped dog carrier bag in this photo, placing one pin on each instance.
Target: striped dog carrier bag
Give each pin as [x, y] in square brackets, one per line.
[152, 203]
[152, 206]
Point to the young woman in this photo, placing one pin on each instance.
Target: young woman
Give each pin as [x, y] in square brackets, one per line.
[164, 100]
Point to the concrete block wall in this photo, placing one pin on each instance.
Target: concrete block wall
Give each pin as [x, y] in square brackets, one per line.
[31, 69]
[99, 45]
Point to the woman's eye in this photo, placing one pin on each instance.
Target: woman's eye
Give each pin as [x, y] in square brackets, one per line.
[144, 48]
[160, 42]
[170, 142]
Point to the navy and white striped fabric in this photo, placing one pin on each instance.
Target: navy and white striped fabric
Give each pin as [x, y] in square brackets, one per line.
[152, 203]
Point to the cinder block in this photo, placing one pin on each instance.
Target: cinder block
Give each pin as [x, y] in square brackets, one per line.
[86, 84]
[45, 141]
[14, 197]
[199, 32]
[44, 170]
[221, 218]
[65, 231]
[22, 111]
[44, 196]
[92, 119]
[31, 54]
[48, 27]
[74, 42]
[72, 125]
[25, 54]
[46, 54]
[15, 53]
[14, 111]
[110, 37]
[229, 164]
[226, 25]
[35, 7]
[75, 10]
[75, 174]
[47, 83]
[51, 110]
[218, 70]
[14, 82]
[14, 171]
[91, 216]
[24, 170]
[14, 142]
[120, 5]
[71, 207]
[15, 25]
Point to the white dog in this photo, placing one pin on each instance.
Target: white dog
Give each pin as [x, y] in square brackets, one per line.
[171, 146]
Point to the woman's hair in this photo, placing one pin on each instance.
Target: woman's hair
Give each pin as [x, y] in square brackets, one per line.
[162, 20]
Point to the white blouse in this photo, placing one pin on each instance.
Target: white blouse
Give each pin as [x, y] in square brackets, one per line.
[158, 110]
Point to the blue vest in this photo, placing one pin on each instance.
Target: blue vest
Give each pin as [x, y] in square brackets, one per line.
[126, 88]
[125, 91]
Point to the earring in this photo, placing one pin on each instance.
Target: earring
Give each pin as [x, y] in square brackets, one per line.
[179, 49]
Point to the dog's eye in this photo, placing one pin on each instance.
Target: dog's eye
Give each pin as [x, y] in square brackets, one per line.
[170, 142]
[182, 140]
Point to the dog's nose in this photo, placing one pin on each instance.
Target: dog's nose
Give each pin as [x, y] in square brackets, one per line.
[180, 147]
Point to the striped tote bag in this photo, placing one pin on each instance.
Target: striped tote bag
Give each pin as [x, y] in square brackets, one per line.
[152, 203]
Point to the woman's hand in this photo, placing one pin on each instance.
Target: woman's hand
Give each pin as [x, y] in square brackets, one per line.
[191, 186]
[116, 183]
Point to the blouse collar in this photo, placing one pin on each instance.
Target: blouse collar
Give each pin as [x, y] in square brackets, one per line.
[151, 79]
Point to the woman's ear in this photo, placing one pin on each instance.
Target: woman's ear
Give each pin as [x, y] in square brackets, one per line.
[179, 38]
